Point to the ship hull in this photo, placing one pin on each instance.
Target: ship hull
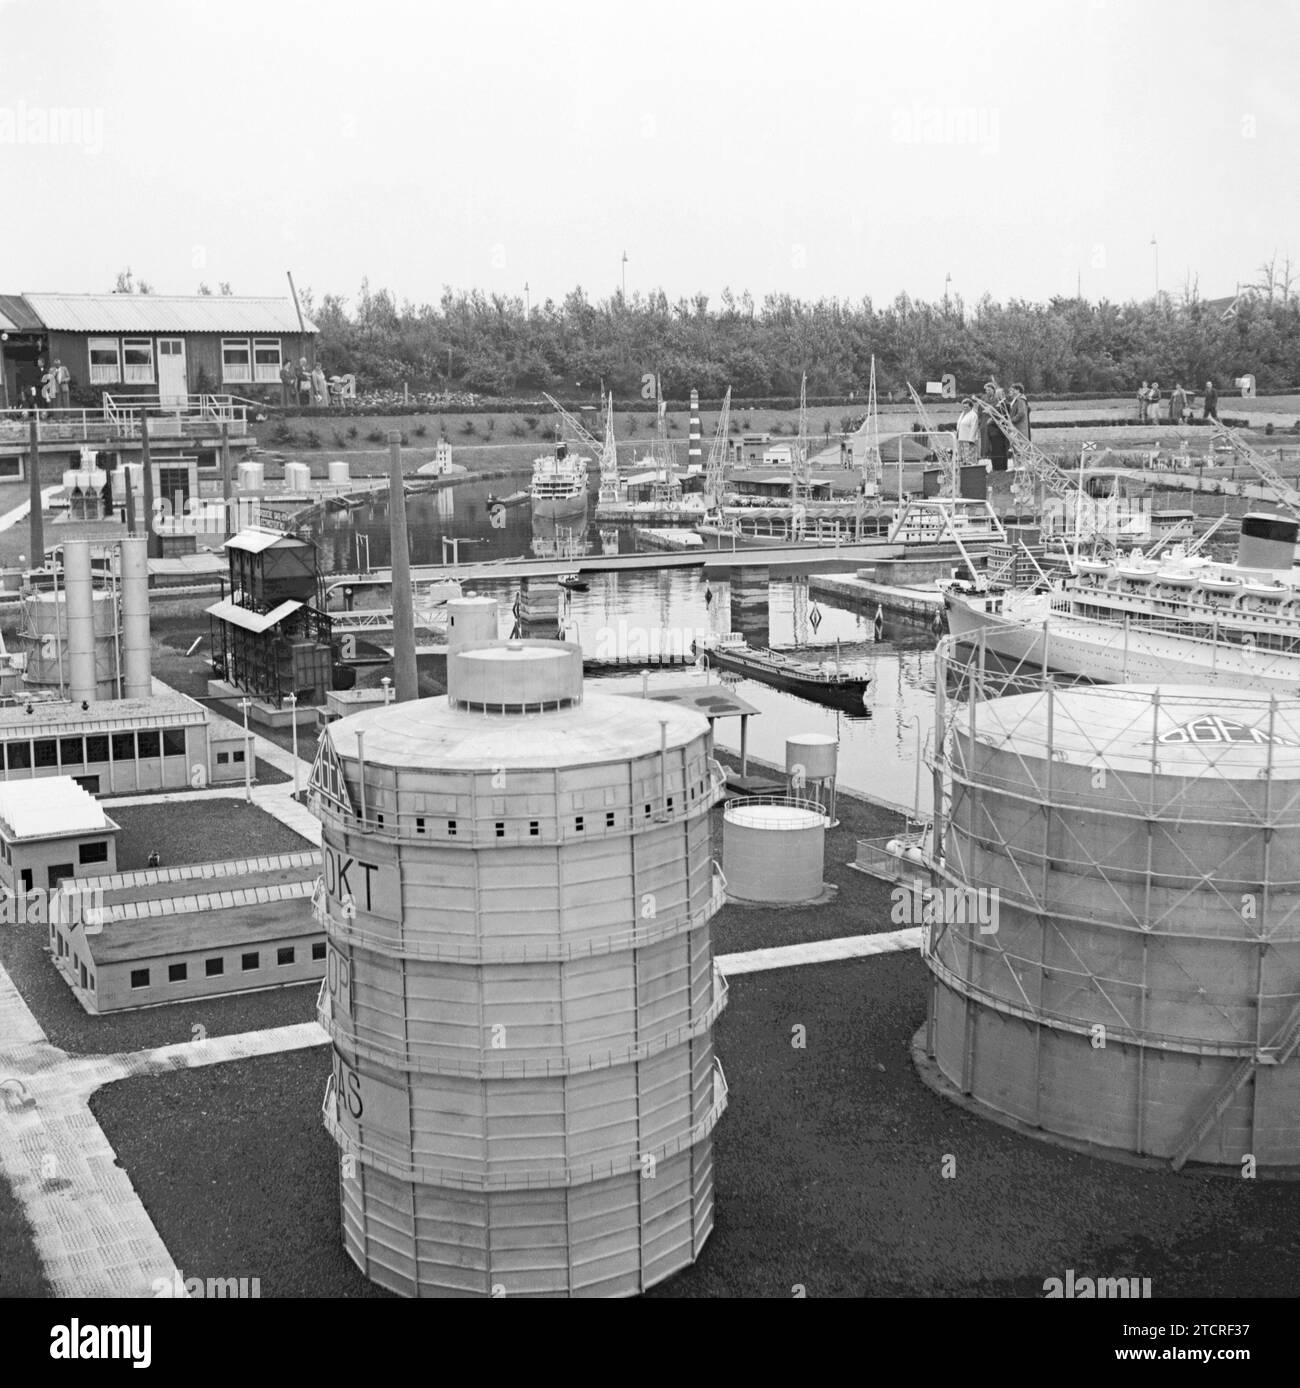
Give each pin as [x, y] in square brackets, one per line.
[555, 507]
[849, 695]
[1110, 653]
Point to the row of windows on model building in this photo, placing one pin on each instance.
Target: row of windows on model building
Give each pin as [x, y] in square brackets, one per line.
[249, 962]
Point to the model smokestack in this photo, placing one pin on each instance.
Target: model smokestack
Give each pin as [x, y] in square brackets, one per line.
[1267, 542]
[695, 448]
[403, 606]
[79, 594]
[137, 682]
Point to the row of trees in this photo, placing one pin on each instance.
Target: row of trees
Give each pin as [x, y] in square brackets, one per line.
[498, 346]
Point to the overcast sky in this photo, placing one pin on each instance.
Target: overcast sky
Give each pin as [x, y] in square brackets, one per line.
[819, 148]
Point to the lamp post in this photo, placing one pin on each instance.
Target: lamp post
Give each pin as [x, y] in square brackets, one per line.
[245, 705]
[388, 689]
[1155, 251]
[292, 701]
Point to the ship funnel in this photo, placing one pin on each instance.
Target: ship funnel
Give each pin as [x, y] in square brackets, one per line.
[81, 619]
[137, 682]
[1267, 542]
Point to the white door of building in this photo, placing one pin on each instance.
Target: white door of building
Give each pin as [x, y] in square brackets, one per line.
[173, 387]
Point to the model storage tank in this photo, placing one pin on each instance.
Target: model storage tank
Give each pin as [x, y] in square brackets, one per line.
[43, 634]
[339, 473]
[1119, 958]
[250, 477]
[517, 892]
[297, 477]
[774, 848]
[471, 620]
[811, 761]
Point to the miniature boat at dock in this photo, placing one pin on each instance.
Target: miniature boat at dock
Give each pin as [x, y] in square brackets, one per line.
[574, 584]
[833, 687]
[559, 484]
[514, 499]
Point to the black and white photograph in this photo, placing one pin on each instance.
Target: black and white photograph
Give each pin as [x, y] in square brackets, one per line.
[649, 651]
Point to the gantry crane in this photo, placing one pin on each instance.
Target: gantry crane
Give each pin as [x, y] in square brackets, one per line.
[1287, 495]
[944, 446]
[579, 432]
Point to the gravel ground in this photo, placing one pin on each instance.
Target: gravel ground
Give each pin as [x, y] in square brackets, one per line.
[193, 831]
[21, 1273]
[827, 1172]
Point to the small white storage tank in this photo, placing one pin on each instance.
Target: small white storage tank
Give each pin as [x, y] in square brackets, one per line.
[773, 848]
[339, 472]
[471, 619]
[813, 755]
[297, 477]
[43, 634]
[250, 477]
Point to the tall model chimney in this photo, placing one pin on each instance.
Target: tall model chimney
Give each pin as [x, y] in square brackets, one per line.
[137, 682]
[695, 447]
[79, 594]
[404, 666]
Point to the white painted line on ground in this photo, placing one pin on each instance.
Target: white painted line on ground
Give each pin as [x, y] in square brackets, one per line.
[819, 951]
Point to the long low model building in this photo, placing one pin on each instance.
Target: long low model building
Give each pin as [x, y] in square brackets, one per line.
[136, 939]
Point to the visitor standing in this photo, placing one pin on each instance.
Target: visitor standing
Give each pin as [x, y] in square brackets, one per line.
[319, 390]
[1153, 400]
[968, 432]
[304, 382]
[1142, 403]
[288, 384]
[63, 384]
[1177, 404]
[1019, 410]
[1211, 402]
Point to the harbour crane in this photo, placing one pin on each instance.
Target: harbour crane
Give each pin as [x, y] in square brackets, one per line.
[715, 468]
[944, 446]
[577, 431]
[1287, 495]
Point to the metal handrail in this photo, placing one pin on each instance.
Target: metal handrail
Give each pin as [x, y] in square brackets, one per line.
[476, 827]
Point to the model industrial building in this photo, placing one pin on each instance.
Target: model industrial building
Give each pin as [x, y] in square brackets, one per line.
[1127, 970]
[50, 830]
[86, 708]
[520, 992]
[271, 637]
[161, 935]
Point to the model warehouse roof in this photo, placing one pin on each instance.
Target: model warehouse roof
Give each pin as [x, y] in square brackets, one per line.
[50, 807]
[158, 313]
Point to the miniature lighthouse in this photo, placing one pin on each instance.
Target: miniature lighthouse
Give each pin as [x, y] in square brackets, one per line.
[520, 993]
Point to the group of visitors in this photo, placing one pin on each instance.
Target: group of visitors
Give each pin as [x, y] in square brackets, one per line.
[1180, 403]
[980, 433]
[56, 384]
[303, 385]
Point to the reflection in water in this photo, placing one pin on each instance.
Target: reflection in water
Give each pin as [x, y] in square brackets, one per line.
[666, 610]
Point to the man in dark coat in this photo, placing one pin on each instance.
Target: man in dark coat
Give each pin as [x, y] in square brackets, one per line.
[1211, 402]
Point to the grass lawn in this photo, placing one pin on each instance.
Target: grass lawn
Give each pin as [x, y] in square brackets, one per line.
[194, 831]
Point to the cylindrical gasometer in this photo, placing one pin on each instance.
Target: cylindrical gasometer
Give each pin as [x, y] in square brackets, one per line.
[45, 638]
[773, 848]
[516, 891]
[470, 620]
[1115, 938]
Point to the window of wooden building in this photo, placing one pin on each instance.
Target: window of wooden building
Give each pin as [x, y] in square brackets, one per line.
[105, 361]
[137, 361]
[267, 360]
[236, 361]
